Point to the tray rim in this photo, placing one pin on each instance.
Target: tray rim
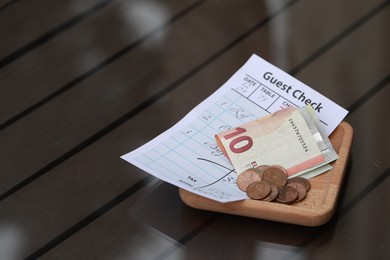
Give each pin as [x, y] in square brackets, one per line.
[283, 212]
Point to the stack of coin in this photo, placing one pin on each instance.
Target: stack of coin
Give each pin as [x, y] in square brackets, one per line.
[269, 183]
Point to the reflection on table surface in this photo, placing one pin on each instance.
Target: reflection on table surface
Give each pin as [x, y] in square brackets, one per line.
[83, 83]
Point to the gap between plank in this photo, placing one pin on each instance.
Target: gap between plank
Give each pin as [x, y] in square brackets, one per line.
[52, 33]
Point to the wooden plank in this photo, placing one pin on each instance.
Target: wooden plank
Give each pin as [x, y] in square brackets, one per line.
[73, 55]
[335, 67]
[120, 220]
[366, 223]
[307, 28]
[24, 21]
[370, 149]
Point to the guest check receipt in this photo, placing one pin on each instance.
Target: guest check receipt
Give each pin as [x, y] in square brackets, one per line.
[187, 155]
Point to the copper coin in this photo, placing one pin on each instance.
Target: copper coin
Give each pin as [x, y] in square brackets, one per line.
[274, 176]
[301, 181]
[273, 194]
[261, 169]
[258, 190]
[300, 189]
[287, 194]
[281, 168]
[246, 178]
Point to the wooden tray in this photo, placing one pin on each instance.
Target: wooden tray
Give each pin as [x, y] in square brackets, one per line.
[316, 209]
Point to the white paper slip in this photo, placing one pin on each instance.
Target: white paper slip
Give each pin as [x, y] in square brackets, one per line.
[186, 155]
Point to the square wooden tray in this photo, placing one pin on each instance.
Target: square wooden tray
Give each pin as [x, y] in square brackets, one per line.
[316, 209]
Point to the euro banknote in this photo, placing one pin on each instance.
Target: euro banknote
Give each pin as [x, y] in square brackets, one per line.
[292, 137]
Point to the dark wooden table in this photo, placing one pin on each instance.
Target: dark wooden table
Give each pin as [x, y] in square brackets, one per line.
[83, 82]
